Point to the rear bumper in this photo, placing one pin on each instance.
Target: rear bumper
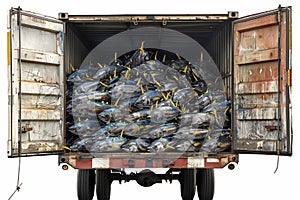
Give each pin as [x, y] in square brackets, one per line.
[149, 160]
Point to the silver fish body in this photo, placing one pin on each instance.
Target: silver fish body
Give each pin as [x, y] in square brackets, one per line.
[162, 130]
[163, 114]
[195, 119]
[111, 115]
[190, 133]
[159, 145]
[108, 144]
[136, 145]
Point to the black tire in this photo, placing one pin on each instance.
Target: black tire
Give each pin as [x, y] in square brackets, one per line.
[103, 184]
[85, 184]
[205, 184]
[188, 184]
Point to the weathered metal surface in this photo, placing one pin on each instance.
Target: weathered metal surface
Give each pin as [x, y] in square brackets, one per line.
[40, 114]
[40, 73]
[40, 102]
[257, 113]
[257, 23]
[258, 72]
[140, 160]
[257, 56]
[40, 56]
[262, 87]
[37, 88]
[46, 41]
[261, 100]
[36, 85]
[41, 130]
[34, 21]
[259, 127]
[145, 18]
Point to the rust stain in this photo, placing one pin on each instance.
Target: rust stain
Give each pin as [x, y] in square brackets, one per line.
[34, 19]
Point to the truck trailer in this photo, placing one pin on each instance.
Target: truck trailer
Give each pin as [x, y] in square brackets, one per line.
[118, 96]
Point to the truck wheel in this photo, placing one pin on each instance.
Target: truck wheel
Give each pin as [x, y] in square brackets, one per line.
[85, 184]
[205, 184]
[103, 184]
[187, 184]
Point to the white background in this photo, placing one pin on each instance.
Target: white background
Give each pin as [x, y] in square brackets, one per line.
[252, 179]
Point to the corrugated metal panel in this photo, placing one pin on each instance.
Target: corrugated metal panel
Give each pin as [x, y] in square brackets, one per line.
[219, 46]
[260, 84]
[77, 48]
[36, 85]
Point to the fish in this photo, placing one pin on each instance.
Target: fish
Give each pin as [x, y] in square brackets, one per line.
[220, 133]
[136, 74]
[108, 144]
[143, 114]
[136, 145]
[222, 106]
[180, 145]
[159, 145]
[82, 144]
[165, 103]
[224, 143]
[100, 134]
[88, 86]
[170, 86]
[124, 92]
[147, 99]
[83, 74]
[126, 105]
[107, 71]
[84, 127]
[179, 65]
[92, 96]
[139, 128]
[163, 114]
[218, 111]
[111, 115]
[116, 128]
[195, 119]
[154, 77]
[183, 82]
[139, 56]
[120, 81]
[210, 97]
[217, 141]
[196, 80]
[184, 96]
[89, 109]
[191, 133]
[136, 104]
[162, 130]
[191, 107]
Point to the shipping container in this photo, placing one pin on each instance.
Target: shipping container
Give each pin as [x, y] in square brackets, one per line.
[247, 60]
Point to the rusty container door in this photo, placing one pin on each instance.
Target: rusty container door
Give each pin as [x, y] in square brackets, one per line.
[36, 84]
[262, 83]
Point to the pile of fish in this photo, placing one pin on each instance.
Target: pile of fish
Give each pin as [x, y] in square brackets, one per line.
[143, 102]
